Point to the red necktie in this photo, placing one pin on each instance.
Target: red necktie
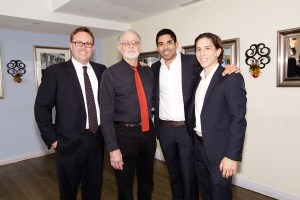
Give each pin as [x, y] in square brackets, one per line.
[90, 101]
[142, 100]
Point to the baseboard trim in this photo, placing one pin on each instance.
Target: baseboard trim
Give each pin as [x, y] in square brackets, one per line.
[265, 190]
[25, 157]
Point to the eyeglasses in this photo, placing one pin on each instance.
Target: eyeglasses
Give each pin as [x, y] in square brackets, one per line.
[86, 44]
[129, 43]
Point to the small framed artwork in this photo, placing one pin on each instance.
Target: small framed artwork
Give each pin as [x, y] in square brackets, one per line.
[46, 56]
[288, 58]
[188, 49]
[1, 82]
[149, 57]
[231, 51]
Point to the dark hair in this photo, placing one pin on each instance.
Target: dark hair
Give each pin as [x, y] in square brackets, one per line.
[82, 29]
[165, 32]
[216, 40]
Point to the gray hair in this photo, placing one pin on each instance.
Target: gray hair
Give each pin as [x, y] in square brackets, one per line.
[128, 31]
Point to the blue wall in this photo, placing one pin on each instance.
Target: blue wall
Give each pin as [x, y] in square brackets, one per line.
[19, 135]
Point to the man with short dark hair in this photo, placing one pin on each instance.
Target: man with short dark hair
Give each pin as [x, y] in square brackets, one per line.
[73, 88]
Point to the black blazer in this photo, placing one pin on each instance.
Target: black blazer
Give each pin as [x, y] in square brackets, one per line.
[60, 88]
[190, 74]
[223, 120]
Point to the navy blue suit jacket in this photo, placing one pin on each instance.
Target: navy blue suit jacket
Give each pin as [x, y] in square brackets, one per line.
[223, 117]
[190, 74]
[60, 88]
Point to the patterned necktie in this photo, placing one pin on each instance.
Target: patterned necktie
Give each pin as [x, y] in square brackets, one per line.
[93, 123]
[142, 100]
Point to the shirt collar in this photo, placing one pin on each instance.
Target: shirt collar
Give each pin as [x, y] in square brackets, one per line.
[78, 65]
[210, 75]
[176, 60]
[123, 61]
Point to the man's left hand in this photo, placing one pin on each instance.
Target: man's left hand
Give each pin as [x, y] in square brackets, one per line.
[228, 167]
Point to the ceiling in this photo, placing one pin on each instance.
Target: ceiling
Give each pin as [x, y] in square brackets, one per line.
[105, 11]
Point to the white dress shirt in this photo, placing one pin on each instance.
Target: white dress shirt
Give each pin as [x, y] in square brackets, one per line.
[199, 97]
[171, 105]
[94, 82]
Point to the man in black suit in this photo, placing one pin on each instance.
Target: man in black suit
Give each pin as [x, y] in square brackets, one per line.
[218, 120]
[78, 142]
[175, 78]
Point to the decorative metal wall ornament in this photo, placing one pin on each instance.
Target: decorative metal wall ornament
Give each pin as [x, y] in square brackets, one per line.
[16, 68]
[257, 56]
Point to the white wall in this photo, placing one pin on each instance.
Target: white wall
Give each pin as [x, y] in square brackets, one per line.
[110, 53]
[271, 162]
[19, 135]
[271, 154]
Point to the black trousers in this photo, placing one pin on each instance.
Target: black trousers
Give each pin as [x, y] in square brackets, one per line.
[212, 185]
[138, 150]
[177, 148]
[84, 165]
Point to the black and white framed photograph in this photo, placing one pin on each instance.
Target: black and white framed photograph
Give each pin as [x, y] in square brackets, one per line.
[46, 56]
[149, 57]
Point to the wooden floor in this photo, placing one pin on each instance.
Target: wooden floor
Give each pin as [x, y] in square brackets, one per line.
[35, 179]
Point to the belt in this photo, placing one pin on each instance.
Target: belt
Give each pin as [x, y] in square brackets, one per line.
[199, 137]
[172, 123]
[128, 124]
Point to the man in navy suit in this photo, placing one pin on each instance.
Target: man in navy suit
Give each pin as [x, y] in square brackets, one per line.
[218, 120]
[79, 150]
[175, 78]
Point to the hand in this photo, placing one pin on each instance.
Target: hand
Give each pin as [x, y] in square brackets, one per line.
[228, 69]
[143, 64]
[116, 160]
[228, 167]
[54, 145]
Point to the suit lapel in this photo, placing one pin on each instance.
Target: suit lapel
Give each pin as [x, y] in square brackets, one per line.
[73, 77]
[184, 77]
[216, 77]
[157, 79]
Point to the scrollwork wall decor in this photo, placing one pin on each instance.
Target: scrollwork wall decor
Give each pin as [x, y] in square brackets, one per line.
[257, 56]
[16, 68]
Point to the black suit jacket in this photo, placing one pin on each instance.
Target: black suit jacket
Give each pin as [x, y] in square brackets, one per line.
[222, 118]
[60, 88]
[190, 74]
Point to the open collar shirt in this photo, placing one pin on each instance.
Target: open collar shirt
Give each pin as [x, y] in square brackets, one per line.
[200, 95]
[171, 105]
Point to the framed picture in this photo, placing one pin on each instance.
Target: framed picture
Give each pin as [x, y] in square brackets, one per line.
[46, 56]
[188, 49]
[1, 81]
[288, 58]
[231, 51]
[149, 57]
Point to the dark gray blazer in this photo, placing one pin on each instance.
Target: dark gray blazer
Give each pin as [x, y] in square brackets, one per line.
[223, 117]
[60, 88]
